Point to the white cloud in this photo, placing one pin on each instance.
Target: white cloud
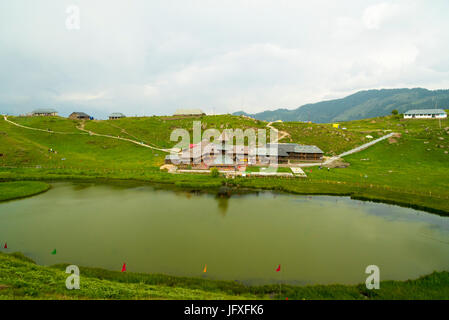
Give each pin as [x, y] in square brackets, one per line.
[78, 96]
[375, 15]
[154, 57]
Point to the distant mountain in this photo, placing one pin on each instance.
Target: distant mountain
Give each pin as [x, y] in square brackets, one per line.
[360, 105]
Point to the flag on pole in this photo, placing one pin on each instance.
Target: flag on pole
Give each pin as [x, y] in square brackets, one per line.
[205, 268]
[124, 267]
[278, 268]
[53, 252]
[6, 245]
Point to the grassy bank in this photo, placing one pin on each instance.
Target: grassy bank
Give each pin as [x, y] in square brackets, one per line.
[317, 184]
[21, 189]
[21, 278]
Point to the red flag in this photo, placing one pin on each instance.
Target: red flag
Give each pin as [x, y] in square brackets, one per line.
[278, 269]
[6, 245]
[124, 267]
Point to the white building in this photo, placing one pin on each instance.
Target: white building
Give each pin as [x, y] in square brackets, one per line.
[44, 112]
[425, 114]
[189, 112]
[116, 115]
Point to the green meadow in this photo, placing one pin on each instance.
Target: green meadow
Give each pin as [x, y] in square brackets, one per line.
[21, 189]
[411, 169]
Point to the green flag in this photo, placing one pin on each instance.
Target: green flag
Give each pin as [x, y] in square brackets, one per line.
[53, 252]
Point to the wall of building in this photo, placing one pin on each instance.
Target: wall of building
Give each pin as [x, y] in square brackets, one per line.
[425, 116]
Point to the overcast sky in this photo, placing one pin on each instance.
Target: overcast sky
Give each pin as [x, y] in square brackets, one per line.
[145, 57]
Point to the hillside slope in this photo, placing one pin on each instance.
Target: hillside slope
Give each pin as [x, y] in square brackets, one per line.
[363, 104]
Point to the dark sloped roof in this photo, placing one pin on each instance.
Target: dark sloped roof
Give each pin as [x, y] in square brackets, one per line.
[81, 114]
[285, 148]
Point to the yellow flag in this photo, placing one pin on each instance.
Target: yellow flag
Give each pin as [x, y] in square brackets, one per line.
[205, 268]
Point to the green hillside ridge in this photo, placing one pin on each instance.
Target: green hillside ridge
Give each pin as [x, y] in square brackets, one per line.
[21, 278]
[156, 130]
[409, 170]
[363, 104]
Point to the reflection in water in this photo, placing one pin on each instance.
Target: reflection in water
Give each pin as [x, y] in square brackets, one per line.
[317, 239]
[223, 204]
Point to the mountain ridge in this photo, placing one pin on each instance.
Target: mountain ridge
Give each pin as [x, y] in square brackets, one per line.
[359, 105]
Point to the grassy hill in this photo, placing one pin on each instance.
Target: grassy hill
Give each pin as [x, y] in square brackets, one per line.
[410, 170]
[363, 104]
[21, 278]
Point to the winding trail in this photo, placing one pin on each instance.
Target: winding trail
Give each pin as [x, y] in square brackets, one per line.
[37, 129]
[282, 135]
[366, 145]
[360, 148]
[91, 133]
[84, 131]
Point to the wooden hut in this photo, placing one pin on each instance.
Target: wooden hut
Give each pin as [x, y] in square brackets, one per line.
[79, 116]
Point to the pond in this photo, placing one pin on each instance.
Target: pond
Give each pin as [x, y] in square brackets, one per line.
[315, 239]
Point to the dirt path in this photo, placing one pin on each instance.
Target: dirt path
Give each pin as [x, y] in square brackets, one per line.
[281, 134]
[37, 129]
[81, 127]
[330, 160]
[84, 131]
[347, 153]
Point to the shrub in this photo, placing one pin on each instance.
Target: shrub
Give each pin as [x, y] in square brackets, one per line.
[214, 172]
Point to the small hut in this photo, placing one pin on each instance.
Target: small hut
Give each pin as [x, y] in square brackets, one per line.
[79, 116]
[44, 113]
[116, 115]
[189, 112]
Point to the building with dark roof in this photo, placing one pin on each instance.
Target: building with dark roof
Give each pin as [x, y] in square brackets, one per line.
[292, 152]
[44, 112]
[207, 155]
[79, 116]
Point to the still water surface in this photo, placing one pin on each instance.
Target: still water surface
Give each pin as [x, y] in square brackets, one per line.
[316, 239]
